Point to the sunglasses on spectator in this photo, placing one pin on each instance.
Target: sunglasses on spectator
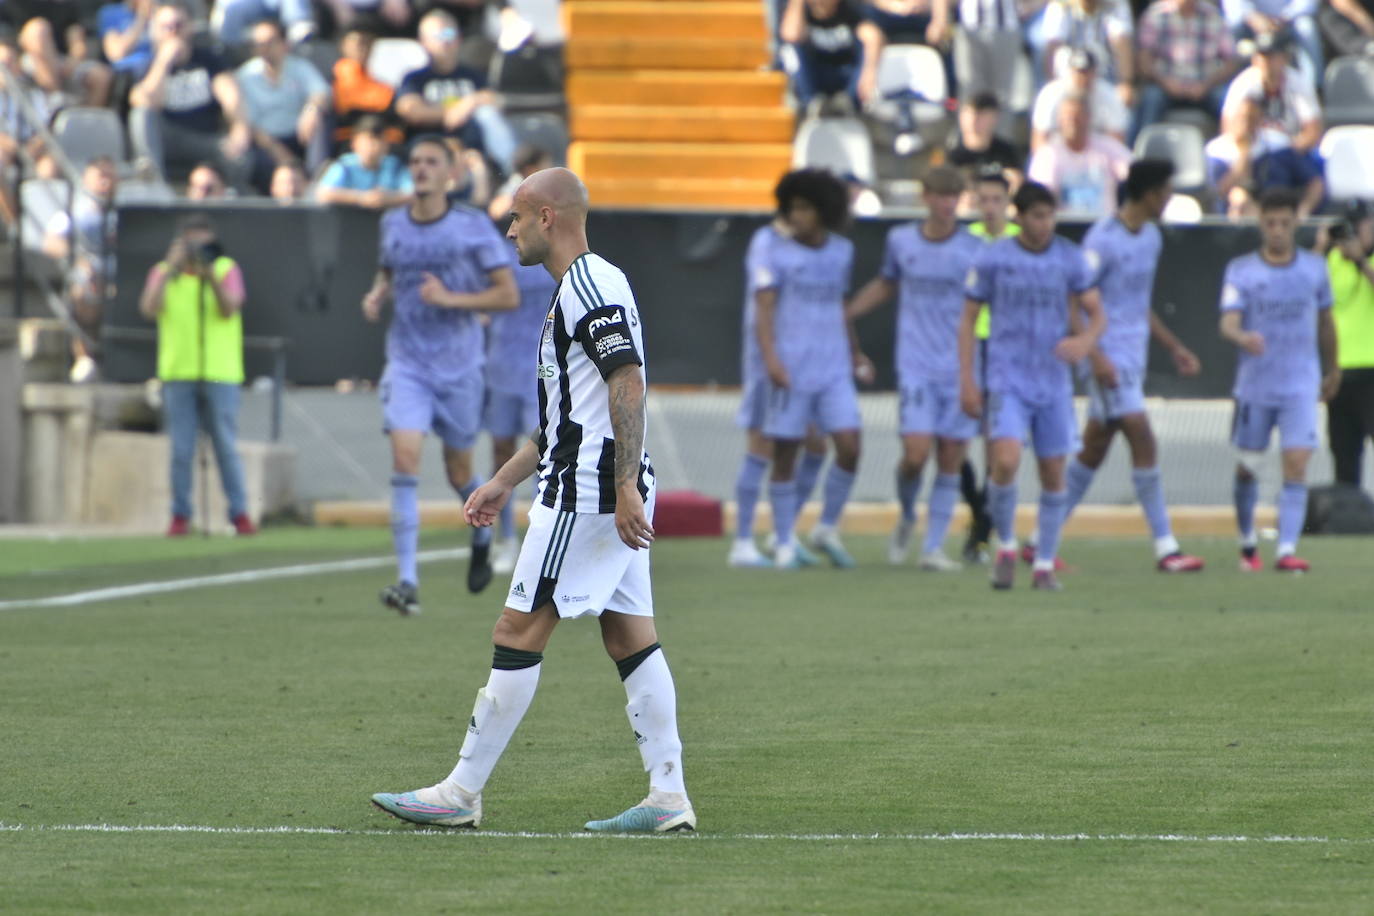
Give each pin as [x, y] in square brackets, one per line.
[447, 34]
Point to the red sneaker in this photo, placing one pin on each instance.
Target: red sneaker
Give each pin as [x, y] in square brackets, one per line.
[243, 526]
[1028, 557]
[1292, 564]
[180, 527]
[1180, 562]
[1252, 563]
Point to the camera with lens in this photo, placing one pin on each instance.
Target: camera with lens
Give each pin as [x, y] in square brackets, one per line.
[1348, 226]
[205, 252]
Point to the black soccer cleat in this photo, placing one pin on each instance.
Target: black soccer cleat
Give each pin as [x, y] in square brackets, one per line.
[479, 567]
[403, 597]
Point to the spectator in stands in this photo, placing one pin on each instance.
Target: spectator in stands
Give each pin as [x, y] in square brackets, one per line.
[369, 176]
[1109, 116]
[1348, 26]
[85, 241]
[286, 102]
[206, 182]
[447, 97]
[69, 79]
[125, 34]
[17, 134]
[1295, 18]
[1082, 167]
[1251, 157]
[195, 294]
[178, 105]
[469, 176]
[1105, 28]
[1287, 101]
[987, 47]
[356, 93]
[979, 146]
[1350, 265]
[928, 22]
[233, 20]
[829, 50]
[392, 15]
[529, 158]
[289, 183]
[1186, 59]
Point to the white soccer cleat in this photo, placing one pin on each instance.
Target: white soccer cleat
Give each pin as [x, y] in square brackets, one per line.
[899, 545]
[432, 806]
[745, 554]
[504, 556]
[785, 557]
[827, 541]
[936, 561]
[659, 813]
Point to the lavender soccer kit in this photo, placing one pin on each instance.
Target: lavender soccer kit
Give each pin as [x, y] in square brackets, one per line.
[930, 278]
[434, 356]
[1027, 293]
[512, 402]
[753, 376]
[1123, 264]
[1280, 387]
[810, 336]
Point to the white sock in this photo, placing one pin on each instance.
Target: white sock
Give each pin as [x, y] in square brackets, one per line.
[1165, 546]
[652, 710]
[499, 708]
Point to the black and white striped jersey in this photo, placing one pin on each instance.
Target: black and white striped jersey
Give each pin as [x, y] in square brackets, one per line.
[592, 329]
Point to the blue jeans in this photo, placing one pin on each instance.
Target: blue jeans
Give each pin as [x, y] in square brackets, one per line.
[1154, 102]
[813, 74]
[233, 17]
[218, 415]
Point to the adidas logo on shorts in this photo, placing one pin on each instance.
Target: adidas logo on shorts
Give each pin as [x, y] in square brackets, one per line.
[519, 590]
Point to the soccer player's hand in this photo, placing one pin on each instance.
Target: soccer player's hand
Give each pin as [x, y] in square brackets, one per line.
[372, 303]
[777, 374]
[971, 400]
[433, 291]
[1186, 362]
[630, 521]
[484, 506]
[1252, 342]
[1104, 370]
[1073, 349]
[1331, 383]
[864, 370]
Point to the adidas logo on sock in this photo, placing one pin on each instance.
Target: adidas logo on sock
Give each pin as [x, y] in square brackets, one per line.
[519, 589]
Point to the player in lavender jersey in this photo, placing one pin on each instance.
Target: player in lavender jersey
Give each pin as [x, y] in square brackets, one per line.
[753, 404]
[511, 410]
[926, 264]
[1124, 250]
[1276, 308]
[808, 351]
[440, 267]
[1038, 288]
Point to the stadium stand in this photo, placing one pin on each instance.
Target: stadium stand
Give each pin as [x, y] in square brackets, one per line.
[85, 133]
[841, 145]
[1181, 144]
[1349, 155]
[1349, 91]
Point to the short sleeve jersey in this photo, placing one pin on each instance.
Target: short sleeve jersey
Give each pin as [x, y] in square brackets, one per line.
[190, 99]
[808, 327]
[442, 89]
[460, 248]
[930, 301]
[592, 328]
[275, 107]
[513, 337]
[1123, 264]
[1027, 293]
[1281, 303]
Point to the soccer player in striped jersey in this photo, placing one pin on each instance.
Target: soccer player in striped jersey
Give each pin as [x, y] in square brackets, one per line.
[586, 552]
[809, 354]
[926, 264]
[441, 267]
[1045, 317]
[511, 410]
[753, 405]
[1276, 309]
[1123, 250]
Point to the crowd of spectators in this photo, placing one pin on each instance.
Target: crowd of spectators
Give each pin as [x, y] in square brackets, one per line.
[1247, 74]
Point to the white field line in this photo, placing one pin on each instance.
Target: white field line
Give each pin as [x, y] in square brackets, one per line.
[139, 589]
[794, 837]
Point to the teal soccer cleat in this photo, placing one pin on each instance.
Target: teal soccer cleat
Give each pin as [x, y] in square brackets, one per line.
[646, 818]
[408, 807]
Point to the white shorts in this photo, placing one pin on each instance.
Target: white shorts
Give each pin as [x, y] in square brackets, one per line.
[577, 561]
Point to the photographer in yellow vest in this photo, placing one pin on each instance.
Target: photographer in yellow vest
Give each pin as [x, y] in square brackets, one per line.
[195, 294]
[1350, 414]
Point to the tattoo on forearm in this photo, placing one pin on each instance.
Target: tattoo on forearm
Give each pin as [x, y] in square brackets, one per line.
[627, 423]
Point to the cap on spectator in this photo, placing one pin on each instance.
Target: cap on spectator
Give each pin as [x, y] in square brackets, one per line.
[986, 101]
[1271, 42]
[1082, 59]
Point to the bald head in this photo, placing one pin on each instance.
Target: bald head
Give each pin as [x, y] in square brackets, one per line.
[549, 218]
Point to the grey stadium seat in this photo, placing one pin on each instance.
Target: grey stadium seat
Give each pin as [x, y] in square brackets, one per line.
[1349, 155]
[547, 131]
[41, 198]
[1349, 91]
[841, 145]
[85, 133]
[1183, 145]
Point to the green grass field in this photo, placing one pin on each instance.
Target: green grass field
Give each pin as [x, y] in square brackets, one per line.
[845, 735]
